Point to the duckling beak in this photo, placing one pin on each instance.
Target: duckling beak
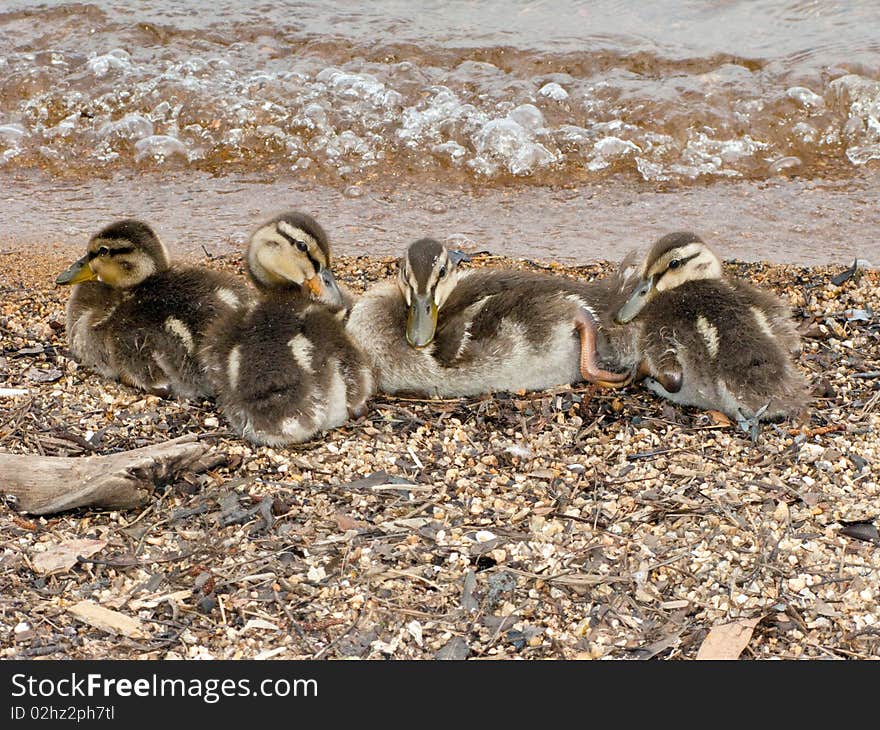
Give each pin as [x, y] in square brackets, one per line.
[640, 297]
[324, 288]
[77, 272]
[421, 322]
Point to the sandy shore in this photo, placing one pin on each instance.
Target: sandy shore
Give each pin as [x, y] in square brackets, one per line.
[565, 524]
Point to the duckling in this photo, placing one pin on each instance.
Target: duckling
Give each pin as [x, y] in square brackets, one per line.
[134, 317]
[710, 341]
[446, 332]
[285, 369]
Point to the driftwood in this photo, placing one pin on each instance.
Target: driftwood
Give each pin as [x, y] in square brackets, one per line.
[46, 484]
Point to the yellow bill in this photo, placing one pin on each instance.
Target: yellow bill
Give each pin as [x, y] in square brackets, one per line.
[77, 272]
[324, 288]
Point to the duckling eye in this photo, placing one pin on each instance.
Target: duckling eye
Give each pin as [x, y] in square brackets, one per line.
[442, 271]
[674, 264]
[301, 245]
[103, 251]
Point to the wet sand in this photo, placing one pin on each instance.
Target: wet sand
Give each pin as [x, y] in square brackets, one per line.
[781, 221]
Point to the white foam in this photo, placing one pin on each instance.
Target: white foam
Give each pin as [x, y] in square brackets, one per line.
[159, 147]
[117, 59]
[132, 127]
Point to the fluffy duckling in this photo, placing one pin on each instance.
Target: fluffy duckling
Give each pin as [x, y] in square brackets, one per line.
[285, 369]
[709, 341]
[447, 332]
[133, 316]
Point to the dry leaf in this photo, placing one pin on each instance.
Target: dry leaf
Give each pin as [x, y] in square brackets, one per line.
[345, 523]
[259, 623]
[861, 530]
[23, 523]
[727, 641]
[112, 622]
[43, 376]
[62, 556]
[718, 418]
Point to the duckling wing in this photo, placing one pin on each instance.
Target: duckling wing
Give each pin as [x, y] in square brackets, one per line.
[286, 370]
[726, 351]
[772, 313]
[159, 326]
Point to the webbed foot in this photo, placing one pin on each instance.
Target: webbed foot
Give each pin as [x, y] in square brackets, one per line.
[750, 425]
[656, 387]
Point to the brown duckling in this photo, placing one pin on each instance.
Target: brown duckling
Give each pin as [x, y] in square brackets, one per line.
[712, 341]
[135, 317]
[443, 331]
[285, 369]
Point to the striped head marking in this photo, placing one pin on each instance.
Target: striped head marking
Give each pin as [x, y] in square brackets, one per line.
[674, 260]
[122, 255]
[293, 250]
[427, 275]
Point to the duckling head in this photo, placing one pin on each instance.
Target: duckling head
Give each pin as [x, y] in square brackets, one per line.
[122, 255]
[427, 275]
[675, 259]
[292, 250]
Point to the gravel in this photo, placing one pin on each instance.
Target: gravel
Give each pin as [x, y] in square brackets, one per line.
[562, 524]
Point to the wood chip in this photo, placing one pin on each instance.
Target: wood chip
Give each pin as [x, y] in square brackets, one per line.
[112, 622]
[12, 392]
[155, 600]
[345, 523]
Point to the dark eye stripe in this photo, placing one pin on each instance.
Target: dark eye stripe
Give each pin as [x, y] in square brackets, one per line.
[112, 251]
[293, 242]
[290, 239]
[681, 262]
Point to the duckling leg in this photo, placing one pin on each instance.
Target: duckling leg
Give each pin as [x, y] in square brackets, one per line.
[589, 365]
[661, 363]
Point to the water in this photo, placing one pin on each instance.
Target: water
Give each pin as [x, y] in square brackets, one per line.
[490, 98]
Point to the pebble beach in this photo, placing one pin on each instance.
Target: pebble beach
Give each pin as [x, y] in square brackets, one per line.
[574, 523]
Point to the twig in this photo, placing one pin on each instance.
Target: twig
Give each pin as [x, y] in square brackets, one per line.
[130, 562]
[820, 431]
